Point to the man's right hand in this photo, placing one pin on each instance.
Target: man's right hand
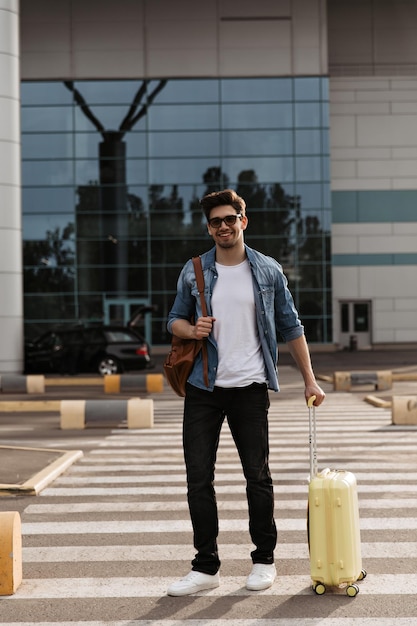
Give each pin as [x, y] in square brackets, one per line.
[203, 327]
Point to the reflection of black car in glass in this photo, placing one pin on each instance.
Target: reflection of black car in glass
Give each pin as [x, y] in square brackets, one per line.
[101, 349]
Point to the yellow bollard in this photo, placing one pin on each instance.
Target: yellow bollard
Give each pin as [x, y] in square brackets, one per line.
[10, 552]
[404, 410]
[138, 383]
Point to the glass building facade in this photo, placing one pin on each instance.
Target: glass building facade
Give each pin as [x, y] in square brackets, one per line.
[113, 172]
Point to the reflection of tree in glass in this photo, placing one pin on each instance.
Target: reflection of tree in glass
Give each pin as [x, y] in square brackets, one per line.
[108, 222]
[271, 216]
[49, 268]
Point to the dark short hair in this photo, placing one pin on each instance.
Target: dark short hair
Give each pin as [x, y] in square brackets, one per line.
[222, 198]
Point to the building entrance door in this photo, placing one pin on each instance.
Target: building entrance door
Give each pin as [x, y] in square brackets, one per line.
[121, 311]
[355, 324]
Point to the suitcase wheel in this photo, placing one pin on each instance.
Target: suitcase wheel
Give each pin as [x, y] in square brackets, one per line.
[352, 590]
[362, 575]
[319, 588]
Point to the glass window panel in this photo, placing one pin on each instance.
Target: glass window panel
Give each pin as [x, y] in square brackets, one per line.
[308, 141]
[86, 145]
[35, 227]
[256, 89]
[136, 144]
[55, 308]
[44, 93]
[252, 142]
[308, 168]
[308, 114]
[47, 146]
[109, 91]
[178, 171]
[46, 119]
[51, 199]
[272, 169]
[307, 88]
[53, 172]
[311, 195]
[110, 117]
[173, 144]
[325, 114]
[184, 117]
[244, 116]
[88, 172]
[136, 171]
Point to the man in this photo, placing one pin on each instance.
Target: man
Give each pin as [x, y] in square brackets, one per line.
[248, 304]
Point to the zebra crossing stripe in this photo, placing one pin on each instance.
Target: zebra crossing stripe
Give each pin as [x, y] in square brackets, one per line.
[386, 489]
[220, 476]
[129, 587]
[184, 525]
[169, 506]
[180, 552]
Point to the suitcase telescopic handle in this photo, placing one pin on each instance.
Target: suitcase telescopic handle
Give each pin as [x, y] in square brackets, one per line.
[313, 436]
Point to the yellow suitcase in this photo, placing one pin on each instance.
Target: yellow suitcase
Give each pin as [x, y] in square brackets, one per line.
[333, 524]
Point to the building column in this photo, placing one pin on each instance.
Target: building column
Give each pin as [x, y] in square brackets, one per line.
[11, 283]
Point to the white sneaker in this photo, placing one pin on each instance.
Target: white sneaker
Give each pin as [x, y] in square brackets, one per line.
[193, 582]
[261, 577]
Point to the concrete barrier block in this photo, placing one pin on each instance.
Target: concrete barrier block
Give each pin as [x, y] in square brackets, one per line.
[140, 413]
[10, 552]
[404, 410]
[79, 414]
[72, 414]
[17, 383]
[140, 383]
[344, 381]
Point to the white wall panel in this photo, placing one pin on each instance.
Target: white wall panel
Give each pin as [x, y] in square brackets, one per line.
[356, 184]
[254, 47]
[88, 64]
[357, 153]
[162, 63]
[178, 10]
[345, 282]
[388, 168]
[248, 8]
[343, 169]
[106, 10]
[377, 244]
[350, 107]
[375, 281]
[343, 131]
[46, 65]
[44, 10]
[127, 36]
[47, 36]
[186, 35]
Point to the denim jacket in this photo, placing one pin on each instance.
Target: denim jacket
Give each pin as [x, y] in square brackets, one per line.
[275, 311]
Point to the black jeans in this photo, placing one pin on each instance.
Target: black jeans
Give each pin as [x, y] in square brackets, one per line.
[247, 415]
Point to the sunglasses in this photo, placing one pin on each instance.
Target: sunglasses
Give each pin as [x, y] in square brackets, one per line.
[229, 220]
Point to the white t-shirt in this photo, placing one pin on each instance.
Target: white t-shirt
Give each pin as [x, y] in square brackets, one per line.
[233, 305]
